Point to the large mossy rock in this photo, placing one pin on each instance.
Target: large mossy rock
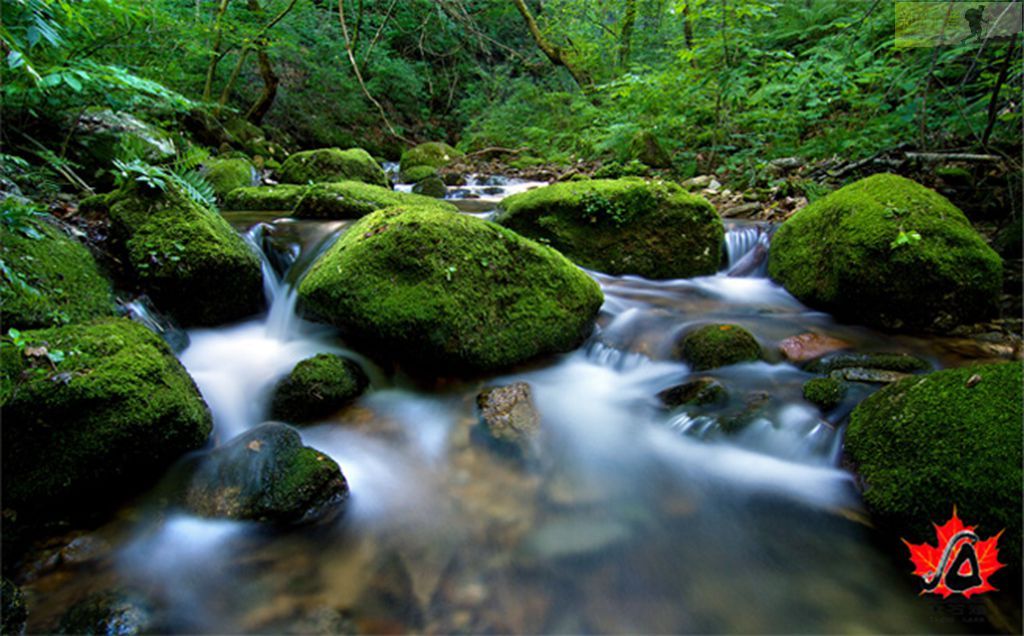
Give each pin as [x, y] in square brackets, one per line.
[622, 226]
[50, 279]
[316, 387]
[333, 164]
[843, 254]
[101, 415]
[434, 154]
[101, 133]
[187, 257]
[266, 474]
[279, 198]
[953, 437]
[353, 200]
[227, 174]
[713, 346]
[450, 292]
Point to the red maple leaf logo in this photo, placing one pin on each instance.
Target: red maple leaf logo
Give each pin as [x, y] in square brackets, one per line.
[961, 563]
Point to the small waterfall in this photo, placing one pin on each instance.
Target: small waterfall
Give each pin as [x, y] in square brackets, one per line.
[747, 249]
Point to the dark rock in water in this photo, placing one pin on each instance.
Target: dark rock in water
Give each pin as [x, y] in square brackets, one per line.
[453, 178]
[713, 346]
[12, 608]
[327, 165]
[887, 252]
[900, 362]
[928, 442]
[449, 292]
[699, 392]
[316, 387]
[431, 187]
[493, 190]
[825, 393]
[110, 613]
[510, 418]
[875, 376]
[808, 346]
[388, 604]
[267, 475]
[83, 430]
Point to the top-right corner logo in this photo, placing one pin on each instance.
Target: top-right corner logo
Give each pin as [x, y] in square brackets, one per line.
[920, 24]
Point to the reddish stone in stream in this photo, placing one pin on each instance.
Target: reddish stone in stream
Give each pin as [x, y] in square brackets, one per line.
[808, 346]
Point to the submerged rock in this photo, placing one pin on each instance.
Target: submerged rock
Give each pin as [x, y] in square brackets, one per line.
[510, 418]
[450, 292]
[875, 376]
[227, 174]
[388, 604]
[888, 252]
[280, 198]
[110, 613]
[431, 187]
[333, 164]
[624, 226]
[434, 154]
[50, 279]
[266, 474]
[948, 438]
[189, 260]
[698, 392]
[316, 387]
[808, 346]
[899, 362]
[91, 413]
[352, 200]
[826, 393]
[713, 346]
[12, 608]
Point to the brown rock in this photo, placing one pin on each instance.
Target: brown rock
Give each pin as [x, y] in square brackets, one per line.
[808, 346]
[509, 417]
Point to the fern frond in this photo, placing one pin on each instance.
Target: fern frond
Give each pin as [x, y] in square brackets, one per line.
[196, 187]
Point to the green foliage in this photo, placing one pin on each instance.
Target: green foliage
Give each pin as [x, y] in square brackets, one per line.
[182, 173]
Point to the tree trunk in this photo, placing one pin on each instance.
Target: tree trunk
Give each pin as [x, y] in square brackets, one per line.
[215, 56]
[993, 104]
[270, 81]
[626, 35]
[554, 53]
[687, 26]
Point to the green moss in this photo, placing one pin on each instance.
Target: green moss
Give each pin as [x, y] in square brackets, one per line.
[925, 444]
[838, 254]
[449, 291]
[625, 226]
[101, 422]
[714, 346]
[645, 148]
[50, 280]
[317, 387]
[281, 198]
[333, 164]
[188, 258]
[417, 174]
[266, 474]
[826, 393]
[434, 154]
[352, 200]
[431, 187]
[227, 174]
[900, 362]
[699, 392]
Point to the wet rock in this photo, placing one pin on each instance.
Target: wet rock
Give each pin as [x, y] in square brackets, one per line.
[808, 346]
[111, 613]
[229, 173]
[453, 178]
[84, 549]
[433, 154]
[97, 424]
[317, 387]
[927, 442]
[699, 182]
[653, 229]
[572, 539]
[900, 362]
[388, 604]
[267, 475]
[875, 376]
[449, 292]
[12, 608]
[327, 165]
[352, 200]
[431, 187]
[826, 393]
[510, 419]
[717, 345]
[417, 174]
[280, 198]
[698, 392]
[853, 253]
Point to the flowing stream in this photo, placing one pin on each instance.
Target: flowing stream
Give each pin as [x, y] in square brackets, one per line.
[638, 519]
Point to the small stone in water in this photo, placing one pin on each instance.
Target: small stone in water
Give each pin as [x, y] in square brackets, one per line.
[808, 346]
[877, 376]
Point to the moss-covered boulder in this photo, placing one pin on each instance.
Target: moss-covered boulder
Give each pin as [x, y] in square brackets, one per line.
[317, 387]
[266, 474]
[434, 154]
[645, 148]
[825, 393]
[92, 412]
[713, 346]
[100, 134]
[227, 174]
[280, 198]
[333, 164]
[417, 174]
[431, 187]
[450, 292]
[352, 200]
[890, 253]
[953, 437]
[697, 392]
[12, 608]
[49, 279]
[187, 257]
[623, 226]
